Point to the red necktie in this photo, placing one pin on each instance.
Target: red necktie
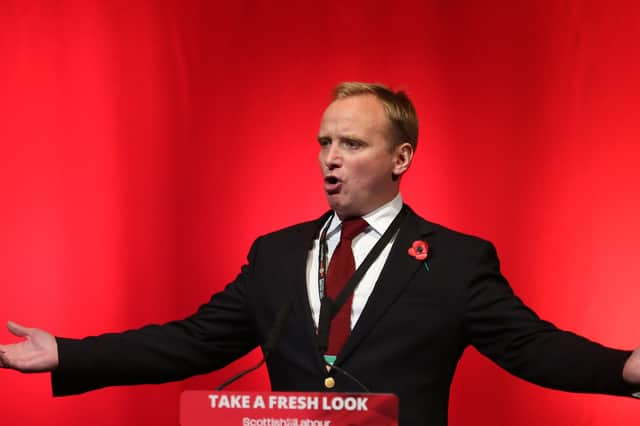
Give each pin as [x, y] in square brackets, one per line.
[341, 268]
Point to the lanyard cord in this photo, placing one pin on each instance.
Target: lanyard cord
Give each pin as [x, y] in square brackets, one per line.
[323, 253]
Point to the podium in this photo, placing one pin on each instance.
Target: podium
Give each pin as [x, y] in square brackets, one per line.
[200, 408]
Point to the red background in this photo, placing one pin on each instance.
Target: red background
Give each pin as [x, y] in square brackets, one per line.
[145, 144]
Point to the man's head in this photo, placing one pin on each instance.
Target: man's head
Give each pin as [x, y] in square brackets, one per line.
[403, 121]
[367, 138]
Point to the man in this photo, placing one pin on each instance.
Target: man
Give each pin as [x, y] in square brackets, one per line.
[428, 294]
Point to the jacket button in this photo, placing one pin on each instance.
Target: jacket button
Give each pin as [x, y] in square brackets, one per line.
[329, 382]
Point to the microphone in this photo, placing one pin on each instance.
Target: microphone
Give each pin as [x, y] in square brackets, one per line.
[269, 346]
[348, 375]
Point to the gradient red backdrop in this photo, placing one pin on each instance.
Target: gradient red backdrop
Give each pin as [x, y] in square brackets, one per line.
[145, 144]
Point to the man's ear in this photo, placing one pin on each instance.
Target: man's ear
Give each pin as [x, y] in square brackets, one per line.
[402, 156]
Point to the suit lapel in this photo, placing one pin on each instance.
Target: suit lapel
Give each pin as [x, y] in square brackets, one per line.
[396, 274]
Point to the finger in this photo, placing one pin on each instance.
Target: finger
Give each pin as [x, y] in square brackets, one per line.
[18, 330]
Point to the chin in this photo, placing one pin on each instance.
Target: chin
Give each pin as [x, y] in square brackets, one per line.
[334, 204]
[339, 209]
[343, 210]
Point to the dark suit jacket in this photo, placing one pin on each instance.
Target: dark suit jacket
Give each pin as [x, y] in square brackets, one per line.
[407, 341]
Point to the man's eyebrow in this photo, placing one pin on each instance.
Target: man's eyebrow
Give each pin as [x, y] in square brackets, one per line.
[351, 138]
[347, 138]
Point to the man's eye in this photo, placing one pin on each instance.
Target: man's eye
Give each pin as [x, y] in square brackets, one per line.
[324, 141]
[352, 144]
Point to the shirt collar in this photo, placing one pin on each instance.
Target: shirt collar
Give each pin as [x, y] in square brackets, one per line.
[378, 220]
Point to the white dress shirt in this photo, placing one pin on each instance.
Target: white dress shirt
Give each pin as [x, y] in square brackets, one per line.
[378, 220]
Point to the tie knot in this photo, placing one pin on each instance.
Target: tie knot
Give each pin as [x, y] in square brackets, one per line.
[352, 227]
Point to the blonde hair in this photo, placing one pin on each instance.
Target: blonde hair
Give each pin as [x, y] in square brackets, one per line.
[397, 105]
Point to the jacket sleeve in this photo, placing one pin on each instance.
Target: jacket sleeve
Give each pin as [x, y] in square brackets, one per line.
[501, 327]
[221, 331]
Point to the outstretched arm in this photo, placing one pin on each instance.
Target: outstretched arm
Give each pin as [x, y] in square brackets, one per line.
[220, 331]
[513, 336]
[37, 353]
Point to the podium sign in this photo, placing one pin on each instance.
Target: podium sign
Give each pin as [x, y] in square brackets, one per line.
[200, 408]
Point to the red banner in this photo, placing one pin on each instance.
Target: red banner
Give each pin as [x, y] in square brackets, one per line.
[200, 408]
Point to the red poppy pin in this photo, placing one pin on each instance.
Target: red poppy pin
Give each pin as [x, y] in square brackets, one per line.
[420, 251]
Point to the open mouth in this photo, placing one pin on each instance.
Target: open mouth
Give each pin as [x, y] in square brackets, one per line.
[331, 180]
[332, 184]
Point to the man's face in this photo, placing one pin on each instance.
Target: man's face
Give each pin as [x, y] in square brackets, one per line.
[356, 157]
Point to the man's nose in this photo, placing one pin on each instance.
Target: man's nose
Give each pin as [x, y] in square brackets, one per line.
[333, 157]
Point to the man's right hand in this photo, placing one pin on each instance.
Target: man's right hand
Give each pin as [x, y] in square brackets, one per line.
[37, 353]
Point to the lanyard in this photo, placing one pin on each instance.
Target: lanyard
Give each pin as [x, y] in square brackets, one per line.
[359, 273]
[323, 253]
